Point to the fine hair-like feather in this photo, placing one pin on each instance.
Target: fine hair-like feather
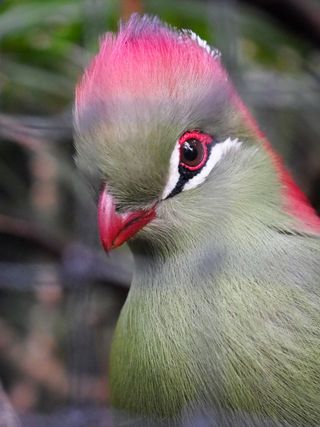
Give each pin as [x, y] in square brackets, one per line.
[222, 320]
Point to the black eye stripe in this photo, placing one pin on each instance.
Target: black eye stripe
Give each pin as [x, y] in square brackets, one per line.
[186, 174]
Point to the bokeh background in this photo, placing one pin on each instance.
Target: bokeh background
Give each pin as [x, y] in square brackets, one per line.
[60, 295]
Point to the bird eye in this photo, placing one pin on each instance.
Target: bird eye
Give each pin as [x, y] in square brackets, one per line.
[192, 154]
[188, 160]
[193, 157]
[194, 150]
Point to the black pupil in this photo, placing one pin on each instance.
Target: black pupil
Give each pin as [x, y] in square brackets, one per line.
[192, 152]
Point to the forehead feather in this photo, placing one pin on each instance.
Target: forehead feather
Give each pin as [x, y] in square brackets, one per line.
[147, 59]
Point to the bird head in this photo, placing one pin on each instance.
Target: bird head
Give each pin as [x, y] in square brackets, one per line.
[175, 150]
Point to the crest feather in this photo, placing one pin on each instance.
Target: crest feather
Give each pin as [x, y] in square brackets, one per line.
[150, 59]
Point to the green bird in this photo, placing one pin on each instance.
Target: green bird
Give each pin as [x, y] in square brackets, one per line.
[222, 319]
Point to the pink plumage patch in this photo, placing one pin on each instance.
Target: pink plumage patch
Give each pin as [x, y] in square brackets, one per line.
[147, 59]
[294, 200]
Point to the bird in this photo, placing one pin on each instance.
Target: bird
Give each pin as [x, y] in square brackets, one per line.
[222, 319]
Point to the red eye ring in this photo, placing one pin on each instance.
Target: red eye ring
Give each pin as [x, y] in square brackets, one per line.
[190, 140]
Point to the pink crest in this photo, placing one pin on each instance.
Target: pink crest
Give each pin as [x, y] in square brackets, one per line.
[146, 58]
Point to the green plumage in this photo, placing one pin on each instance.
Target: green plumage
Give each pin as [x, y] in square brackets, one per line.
[227, 315]
[222, 320]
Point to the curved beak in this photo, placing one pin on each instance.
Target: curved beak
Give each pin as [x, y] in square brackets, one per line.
[116, 228]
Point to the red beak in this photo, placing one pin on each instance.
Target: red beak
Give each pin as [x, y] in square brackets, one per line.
[116, 228]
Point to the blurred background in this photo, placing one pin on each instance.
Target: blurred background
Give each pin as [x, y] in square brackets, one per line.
[60, 295]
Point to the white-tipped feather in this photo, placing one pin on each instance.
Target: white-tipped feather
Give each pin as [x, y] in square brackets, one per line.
[202, 43]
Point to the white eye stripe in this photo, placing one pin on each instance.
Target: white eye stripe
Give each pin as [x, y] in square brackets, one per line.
[173, 171]
[216, 154]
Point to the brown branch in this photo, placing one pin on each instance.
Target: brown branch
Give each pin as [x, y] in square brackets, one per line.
[33, 132]
[71, 417]
[79, 264]
[29, 231]
[8, 417]
[128, 7]
[75, 274]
